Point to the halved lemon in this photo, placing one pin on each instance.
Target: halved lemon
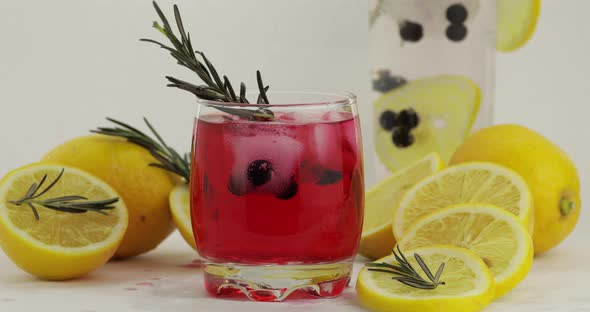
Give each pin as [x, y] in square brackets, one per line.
[475, 182]
[516, 23]
[446, 107]
[59, 245]
[492, 233]
[382, 200]
[181, 212]
[469, 285]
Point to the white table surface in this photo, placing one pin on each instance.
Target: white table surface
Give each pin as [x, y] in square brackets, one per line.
[161, 281]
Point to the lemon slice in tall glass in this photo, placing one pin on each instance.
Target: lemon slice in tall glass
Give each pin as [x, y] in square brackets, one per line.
[445, 108]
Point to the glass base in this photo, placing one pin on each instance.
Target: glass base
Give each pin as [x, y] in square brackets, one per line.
[277, 282]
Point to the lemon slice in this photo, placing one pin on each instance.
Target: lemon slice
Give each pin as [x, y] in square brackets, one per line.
[469, 285]
[516, 23]
[60, 245]
[492, 233]
[476, 182]
[181, 212]
[446, 107]
[382, 200]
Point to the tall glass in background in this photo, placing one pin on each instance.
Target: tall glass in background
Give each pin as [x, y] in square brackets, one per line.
[277, 205]
[432, 66]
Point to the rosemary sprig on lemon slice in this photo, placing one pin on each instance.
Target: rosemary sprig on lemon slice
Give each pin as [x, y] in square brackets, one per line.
[68, 203]
[468, 284]
[498, 237]
[59, 243]
[406, 274]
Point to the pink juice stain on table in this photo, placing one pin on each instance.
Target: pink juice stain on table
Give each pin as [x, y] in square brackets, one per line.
[141, 284]
[197, 263]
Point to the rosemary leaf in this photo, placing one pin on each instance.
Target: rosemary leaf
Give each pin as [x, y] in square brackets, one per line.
[49, 186]
[166, 25]
[243, 93]
[441, 267]
[65, 198]
[64, 208]
[212, 70]
[227, 85]
[416, 284]
[424, 267]
[30, 192]
[405, 273]
[411, 280]
[180, 26]
[35, 212]
[107, 202]
[261, 99]
[262, 88]
[153, 130]
[67, 203]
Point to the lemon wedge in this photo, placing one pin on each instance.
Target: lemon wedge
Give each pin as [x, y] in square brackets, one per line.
[181, 213]
[383, 199]
[494, 234]
[468, 284]
[517, 21]
[474, 182]
[59, 245]
[446, 107]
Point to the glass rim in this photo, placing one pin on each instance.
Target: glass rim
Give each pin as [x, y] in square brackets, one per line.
[340, 98]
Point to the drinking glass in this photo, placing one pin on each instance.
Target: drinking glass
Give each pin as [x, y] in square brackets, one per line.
[437, 59]
[277, 194]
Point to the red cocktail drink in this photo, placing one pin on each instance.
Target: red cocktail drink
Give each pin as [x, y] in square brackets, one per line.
[277, 205]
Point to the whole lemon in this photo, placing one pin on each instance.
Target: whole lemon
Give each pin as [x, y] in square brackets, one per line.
[144, 189]
[549, 172]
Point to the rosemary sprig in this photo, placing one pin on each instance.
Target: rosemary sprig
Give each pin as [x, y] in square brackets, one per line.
[69, 203]
[406, 274]
[168, 158]
[216, 88]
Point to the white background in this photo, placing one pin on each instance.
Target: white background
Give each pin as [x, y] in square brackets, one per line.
[67, 64]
